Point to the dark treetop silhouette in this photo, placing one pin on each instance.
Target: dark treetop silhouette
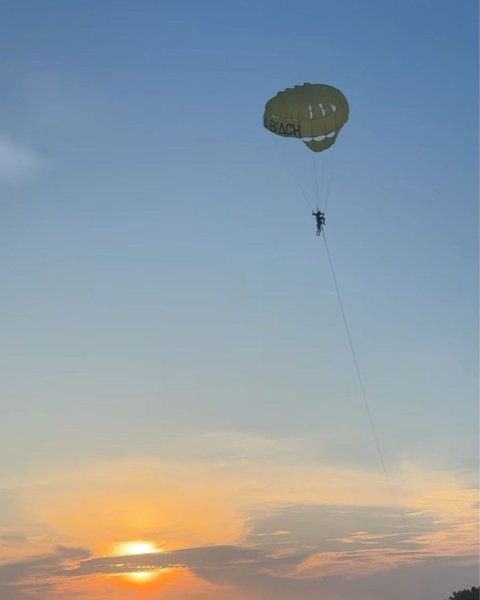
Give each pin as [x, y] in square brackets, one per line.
[472, 594]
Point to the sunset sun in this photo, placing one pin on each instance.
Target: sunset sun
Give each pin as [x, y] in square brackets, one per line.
[143, 573]
[136, 547]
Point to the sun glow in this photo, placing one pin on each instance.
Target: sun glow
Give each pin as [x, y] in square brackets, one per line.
[135, 548]
[142, 576]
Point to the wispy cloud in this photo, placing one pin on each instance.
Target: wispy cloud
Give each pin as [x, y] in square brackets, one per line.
[17, 162]
[9, 538]
[19, 579]
[226, 566]
[225, 527]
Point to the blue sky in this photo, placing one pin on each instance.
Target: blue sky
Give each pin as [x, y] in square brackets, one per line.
[162, 280]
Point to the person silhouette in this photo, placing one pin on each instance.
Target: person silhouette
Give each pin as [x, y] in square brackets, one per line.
[320, 217]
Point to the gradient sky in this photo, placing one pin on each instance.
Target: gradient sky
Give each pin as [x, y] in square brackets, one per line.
[174, 365]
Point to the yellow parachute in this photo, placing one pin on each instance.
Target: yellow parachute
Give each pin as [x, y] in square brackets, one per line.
[313, 112]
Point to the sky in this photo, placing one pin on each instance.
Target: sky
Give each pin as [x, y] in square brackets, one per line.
[181, 414]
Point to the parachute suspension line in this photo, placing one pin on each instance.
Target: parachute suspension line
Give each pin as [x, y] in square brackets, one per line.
[305, 197]
[327, 191]
[318, 203]
[322, 180]
[329, 181]
[359, 374]
[295, 179]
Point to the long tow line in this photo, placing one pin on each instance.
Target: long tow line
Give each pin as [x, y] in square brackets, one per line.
[359, 376]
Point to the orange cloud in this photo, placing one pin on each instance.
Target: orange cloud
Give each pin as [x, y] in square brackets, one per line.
[211, 502]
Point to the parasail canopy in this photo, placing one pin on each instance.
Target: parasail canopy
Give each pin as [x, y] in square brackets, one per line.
[313, 112]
